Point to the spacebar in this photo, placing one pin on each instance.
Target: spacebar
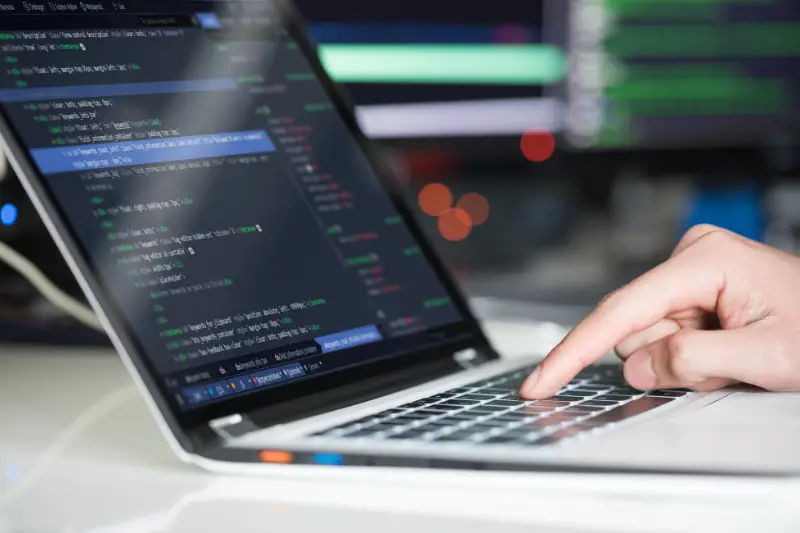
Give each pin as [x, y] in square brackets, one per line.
[623, 412]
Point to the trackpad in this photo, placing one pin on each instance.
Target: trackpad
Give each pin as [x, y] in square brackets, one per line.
[749, 408]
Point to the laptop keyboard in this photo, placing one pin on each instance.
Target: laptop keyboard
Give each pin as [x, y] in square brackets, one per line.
[490, 411]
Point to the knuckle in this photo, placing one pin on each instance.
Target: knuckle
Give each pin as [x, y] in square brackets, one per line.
[718, 239]
[697, 231]
[613, 300]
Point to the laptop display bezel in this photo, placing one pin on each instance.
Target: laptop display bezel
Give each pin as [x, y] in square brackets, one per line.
[467, 334]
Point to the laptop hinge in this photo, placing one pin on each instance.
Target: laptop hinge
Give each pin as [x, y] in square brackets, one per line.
[470, 358]
[232, 426]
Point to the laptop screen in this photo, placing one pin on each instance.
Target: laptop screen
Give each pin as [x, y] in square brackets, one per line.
[218, 194]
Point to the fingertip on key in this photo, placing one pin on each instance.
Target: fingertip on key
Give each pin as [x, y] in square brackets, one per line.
[529, 387]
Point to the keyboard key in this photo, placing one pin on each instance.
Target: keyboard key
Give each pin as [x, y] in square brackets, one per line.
[530, 410]
[444, 424]
[396, 422]
[545, 440]
[487, 409]
[450, 438]
[347, 427]
[523, 435]
[467, 415]
[566, 398]
[412, 415]
[479, 397]
[502, 439]
[443, 407]
[437, 397]
[412, 434]
[492, 423]
[463, 435]
[361, 433]
[460, 402]
[388, 428]
[514, 416]
[430, 428]
[581, 393]
[367, 421]
[613, 398]
[598, 403]
[667, 394]
[506, 403]
[488, 431]
[426, 412]
[414, 405]
[628, 410]
[582, 408]
[526, 413]
[498, 391]
[550, 403]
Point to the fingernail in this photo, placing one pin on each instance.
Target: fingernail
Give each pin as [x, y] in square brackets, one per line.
[529, 387]
[640, 371]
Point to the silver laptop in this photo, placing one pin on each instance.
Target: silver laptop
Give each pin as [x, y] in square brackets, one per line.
[266, 283]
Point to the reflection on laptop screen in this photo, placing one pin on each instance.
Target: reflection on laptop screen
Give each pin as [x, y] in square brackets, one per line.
[217, 193]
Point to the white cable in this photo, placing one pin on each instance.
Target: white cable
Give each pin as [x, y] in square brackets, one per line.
[49, 290]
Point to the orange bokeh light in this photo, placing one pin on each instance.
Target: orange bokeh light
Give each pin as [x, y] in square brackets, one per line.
[476, 206]
[538, 146]
[455, 224]
[435, 199]
[275, 456]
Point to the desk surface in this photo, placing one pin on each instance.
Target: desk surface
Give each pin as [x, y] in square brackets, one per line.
[67, 465]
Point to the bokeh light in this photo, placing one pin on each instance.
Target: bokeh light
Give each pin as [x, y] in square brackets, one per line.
[455, 224]
[435, 199]
[9, 214]
[476, 206]
[538, 146]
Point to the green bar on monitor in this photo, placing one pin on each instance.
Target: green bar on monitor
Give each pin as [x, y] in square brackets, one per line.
[490, 64]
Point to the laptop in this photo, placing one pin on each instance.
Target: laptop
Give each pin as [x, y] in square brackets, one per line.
[262, 277]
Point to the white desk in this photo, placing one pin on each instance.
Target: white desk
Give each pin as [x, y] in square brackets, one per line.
[58, 474]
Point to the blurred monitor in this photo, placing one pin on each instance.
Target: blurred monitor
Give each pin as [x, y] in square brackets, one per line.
[682, 73]
[443, 68]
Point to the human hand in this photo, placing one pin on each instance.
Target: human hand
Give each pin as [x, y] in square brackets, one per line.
[722, 310]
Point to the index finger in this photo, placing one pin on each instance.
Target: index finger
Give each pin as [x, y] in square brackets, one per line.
[692, 279]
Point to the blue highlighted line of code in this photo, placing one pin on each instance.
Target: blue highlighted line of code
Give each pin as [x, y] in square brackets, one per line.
[349, 339]
[116, 89]
[96, 156]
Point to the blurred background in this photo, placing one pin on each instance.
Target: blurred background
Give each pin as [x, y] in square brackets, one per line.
[662, 114]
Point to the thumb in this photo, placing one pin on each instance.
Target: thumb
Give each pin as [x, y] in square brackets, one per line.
[708, 360]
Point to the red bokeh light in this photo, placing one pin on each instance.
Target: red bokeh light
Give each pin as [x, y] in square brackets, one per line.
[435, 199]
[476, 206]
[455, 224]
[538, 146]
